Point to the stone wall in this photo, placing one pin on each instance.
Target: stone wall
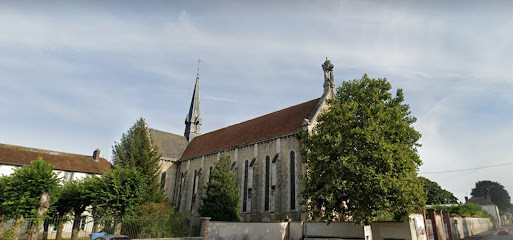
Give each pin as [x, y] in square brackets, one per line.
[187, 196]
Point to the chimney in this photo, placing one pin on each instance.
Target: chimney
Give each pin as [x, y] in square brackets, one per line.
[96, 155]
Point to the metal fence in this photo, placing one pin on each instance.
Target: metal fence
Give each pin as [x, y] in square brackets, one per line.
[49, 228]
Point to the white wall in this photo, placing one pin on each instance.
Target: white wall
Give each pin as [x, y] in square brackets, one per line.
[6, 170]
[247, 231]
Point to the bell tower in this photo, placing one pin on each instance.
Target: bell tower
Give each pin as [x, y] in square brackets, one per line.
[193, 119]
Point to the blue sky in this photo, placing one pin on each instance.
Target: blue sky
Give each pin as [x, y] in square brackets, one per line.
[75, 75]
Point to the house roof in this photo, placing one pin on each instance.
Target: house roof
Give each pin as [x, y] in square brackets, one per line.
[170, 145]
[19, 156]
[278, 123]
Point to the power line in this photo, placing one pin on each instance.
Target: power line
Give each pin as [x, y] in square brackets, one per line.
[468, 169]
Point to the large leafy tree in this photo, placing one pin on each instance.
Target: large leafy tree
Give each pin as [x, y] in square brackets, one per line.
[74, 198]
[28, 192]
[221, 201]
[118, 194]
[361, 157]
[498, 195]
[436, 194]
[136, 150]
[21, 192]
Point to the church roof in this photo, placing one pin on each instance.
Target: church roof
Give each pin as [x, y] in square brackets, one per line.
[278, 123]
[19, 156]
[170, 145]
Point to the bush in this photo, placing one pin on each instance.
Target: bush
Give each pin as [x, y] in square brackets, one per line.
[465, 210]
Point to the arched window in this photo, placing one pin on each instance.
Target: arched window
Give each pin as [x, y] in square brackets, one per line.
[194, 188]
[292, 180]
[163, 181]
[245, 187]
[179, 200]
[267, 183]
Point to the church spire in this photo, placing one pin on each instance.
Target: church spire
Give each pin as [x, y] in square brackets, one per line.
[193, 120]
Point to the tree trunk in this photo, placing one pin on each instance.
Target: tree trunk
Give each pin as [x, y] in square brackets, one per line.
[96, 226]
[60, 227]
[33, 228]
[117, 229]
[46, 225]
[76, 227]
[17, 227]
[44, 204]
[3, 224]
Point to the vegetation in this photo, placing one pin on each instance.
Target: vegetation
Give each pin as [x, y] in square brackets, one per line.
[20, 192]
[136, 150]
[436, 194]
[465, 210]
[498, 195]
[222, 200]
[75, 196]
[362, 158]
[160, 220]
[27, 193]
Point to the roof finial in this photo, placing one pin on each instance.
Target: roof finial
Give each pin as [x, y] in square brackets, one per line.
[197, 72]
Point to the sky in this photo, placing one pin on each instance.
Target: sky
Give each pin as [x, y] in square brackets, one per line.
[75, 75]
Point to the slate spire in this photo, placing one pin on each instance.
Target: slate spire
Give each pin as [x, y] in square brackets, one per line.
[193, 119]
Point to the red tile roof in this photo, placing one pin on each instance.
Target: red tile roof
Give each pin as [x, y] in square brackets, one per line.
[278, 123]
[19, 156]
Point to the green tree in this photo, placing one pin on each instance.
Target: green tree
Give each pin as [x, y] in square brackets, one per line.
[118, 194]
[361, 157]
[436, 194]
[498, 195]
[221, 201]
[136, 150]
[28, 192]
[75, 196]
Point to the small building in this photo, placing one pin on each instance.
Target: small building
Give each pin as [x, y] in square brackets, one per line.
[68, 166]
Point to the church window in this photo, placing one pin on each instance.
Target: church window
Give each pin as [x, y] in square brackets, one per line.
[267, 183]
[292, 180]
[274, 172]
[245, 187]
[179, 200]
[233, 168]
[163, 181]
[194, 188]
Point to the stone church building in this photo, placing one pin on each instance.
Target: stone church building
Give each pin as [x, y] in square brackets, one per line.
[265, 155]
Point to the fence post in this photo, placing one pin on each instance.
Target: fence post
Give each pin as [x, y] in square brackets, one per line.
[432, 215]
[205, 222]
[447, 218]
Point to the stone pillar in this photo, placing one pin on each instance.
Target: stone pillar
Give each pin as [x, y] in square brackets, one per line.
[447, 219]
[205, 222]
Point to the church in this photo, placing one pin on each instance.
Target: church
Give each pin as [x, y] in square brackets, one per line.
[265, 155]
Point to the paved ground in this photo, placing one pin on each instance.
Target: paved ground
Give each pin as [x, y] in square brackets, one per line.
[493, 236]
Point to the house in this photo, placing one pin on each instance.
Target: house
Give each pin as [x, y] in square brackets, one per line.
[265, 155]
[68, 166]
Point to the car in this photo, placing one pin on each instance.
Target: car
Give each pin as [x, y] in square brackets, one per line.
[112, 237]
[503, 231]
